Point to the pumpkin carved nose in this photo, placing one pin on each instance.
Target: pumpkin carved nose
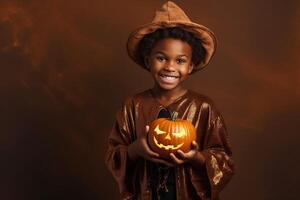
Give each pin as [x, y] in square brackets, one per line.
[168, 137]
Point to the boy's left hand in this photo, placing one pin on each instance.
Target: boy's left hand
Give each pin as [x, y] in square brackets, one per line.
[190, 156]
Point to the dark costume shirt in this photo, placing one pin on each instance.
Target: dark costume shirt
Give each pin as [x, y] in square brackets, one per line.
[163, 185]
[202, 182]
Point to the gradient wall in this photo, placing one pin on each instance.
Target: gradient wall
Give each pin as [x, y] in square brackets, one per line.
[65, 71]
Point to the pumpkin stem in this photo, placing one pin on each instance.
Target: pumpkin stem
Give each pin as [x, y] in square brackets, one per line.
[174, 116]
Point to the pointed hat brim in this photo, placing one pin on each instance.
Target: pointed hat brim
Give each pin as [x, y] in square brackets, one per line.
[171, 15]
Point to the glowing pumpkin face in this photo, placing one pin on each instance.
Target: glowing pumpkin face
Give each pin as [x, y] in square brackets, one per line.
[169, 135]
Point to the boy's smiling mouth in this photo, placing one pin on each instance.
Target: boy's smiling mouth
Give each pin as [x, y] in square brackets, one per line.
[166, 78]
[169, 75]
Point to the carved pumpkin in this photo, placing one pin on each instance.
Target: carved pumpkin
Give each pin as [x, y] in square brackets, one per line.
[169, 135]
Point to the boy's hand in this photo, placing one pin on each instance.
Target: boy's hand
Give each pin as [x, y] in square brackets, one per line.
[140, 148]
[193, 156]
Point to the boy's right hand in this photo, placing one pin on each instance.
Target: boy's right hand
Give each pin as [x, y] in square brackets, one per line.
[140, 148]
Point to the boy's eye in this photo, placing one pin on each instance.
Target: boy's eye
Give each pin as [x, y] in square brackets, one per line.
[181, 61]
[160, 58]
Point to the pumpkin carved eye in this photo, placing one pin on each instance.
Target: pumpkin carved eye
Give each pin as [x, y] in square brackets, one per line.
[179, 134]
[158, 131]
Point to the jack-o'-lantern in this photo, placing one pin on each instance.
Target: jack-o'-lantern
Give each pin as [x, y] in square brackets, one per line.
[169, 135]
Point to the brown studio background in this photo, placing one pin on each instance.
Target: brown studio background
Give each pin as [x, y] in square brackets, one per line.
[65, 71]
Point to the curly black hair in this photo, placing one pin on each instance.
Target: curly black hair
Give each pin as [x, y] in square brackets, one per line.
[147, 43]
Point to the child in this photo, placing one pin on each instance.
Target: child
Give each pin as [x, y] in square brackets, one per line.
[171, 48]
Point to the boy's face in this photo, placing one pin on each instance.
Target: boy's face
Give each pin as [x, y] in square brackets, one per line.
[170, 62]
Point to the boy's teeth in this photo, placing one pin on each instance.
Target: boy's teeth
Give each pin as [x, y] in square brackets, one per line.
[169, 77]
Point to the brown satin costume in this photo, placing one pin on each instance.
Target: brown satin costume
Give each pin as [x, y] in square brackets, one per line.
[133, 177]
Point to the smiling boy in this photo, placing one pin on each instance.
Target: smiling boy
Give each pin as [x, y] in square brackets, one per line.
[171, 48]
[171, 64]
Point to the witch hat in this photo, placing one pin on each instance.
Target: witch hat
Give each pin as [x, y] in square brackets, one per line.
[171, 15]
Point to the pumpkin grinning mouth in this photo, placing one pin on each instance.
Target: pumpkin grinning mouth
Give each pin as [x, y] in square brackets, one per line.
[167, 147]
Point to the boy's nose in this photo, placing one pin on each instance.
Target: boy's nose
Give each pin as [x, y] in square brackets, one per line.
[169, 69]
[169, 66]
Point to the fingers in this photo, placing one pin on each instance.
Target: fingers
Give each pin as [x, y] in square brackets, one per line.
[189, 155]
[145, 149]
[194, 145]
[148, 151]
[182, 156]
[176, 160]
[147, 129]
[151, 153]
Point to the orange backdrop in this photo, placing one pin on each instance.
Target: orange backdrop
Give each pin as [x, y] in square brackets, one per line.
[65, 72]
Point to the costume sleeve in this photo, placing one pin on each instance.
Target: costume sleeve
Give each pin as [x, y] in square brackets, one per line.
[218, 166]
[117, 159]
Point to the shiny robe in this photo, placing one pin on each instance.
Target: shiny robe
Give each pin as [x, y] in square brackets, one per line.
[203, 182]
